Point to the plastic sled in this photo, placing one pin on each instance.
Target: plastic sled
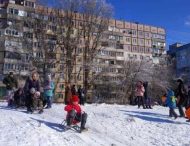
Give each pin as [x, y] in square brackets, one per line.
[73, 126]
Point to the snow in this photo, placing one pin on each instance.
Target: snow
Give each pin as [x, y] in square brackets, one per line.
[109, 125]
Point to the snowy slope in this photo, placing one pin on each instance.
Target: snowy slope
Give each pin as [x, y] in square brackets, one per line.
[109, 125]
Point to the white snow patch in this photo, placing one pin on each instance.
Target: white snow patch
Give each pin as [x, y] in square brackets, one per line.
[109, 125]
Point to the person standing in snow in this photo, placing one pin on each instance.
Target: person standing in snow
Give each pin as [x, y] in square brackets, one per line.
[81, 95]
[11, 84]
[48, 91]
[139, 93]
[32, 86]
[147, 99]
[181, 97]
[68, 94]
[73, 90]
[171, 103]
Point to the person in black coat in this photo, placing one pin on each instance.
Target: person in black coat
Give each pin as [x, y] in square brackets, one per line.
[73, 90]
[181, 95]
[29, 85]
[19, 98]
[11, 84]
[81, 94]
[147, 99]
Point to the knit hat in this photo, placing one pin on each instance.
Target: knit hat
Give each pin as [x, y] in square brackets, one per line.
[75, 98]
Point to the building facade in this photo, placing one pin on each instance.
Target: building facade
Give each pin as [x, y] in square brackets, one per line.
[20, 48]
[181, 53]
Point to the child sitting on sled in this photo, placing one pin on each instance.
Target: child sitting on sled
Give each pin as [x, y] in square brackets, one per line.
[75, 114]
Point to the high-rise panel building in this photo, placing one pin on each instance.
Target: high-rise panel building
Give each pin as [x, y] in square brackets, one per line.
[20, 47]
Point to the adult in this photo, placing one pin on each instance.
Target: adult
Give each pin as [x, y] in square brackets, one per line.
[68, 94]
[11, 84]
[73, 90]
[48, 90]
[32, 87]
[81, 94]
[146, 97]
[181, 96]
[139, 93]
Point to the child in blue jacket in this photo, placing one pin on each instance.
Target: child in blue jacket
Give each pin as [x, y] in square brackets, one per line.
[48, 90]
[171, 103]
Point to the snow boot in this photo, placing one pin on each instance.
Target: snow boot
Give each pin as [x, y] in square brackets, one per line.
[41, 111]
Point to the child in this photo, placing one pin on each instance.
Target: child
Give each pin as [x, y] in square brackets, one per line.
[37, 102]
[19, 97]
[48, 91]
[171, 103]
[75, 114]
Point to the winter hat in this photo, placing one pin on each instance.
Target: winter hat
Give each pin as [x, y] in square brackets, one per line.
[48, 77]
[32, 90]
[37, 94]
[75, 98]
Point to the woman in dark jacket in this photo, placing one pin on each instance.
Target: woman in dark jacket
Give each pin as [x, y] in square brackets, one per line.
[181, 97]
[30, 84]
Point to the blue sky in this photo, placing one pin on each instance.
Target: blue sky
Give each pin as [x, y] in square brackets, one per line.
[173, 15]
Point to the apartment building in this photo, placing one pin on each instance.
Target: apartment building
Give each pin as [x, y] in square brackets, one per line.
[20, 49]
[181, 54]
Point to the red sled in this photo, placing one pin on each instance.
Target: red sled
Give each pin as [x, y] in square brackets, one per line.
[187, 112]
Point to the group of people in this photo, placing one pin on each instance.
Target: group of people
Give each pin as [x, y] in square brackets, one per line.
[178, 98]
[30, 95]
[71, 91]
[141, 93]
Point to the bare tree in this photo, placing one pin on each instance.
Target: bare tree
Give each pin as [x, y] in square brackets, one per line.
[96, 15]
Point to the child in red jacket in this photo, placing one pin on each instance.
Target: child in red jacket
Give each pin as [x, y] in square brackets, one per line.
[74, 113]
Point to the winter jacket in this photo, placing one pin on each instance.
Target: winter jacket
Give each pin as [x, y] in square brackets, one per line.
[139, 91]
[10, 82]
[181, 94]
[76, 107]
[48, 89]
[68, 95]
[73, 91]
[32, 84]
[146, 90]
[171, 99]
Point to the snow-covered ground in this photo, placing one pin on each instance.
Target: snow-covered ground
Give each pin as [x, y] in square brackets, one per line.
[109, 125]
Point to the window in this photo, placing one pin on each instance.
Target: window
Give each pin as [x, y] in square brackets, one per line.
[134, 41]
[16, 12]
[141, 42]
[13, 11]
[141, 34]
[104, 44]
[128, 40]
[119, 46]
[59, 95]
[111, 62]
[121, 54]
[147, 35]
[134, 32]
[111, 37]
[19, 2]
[29, 4]
[61, 86]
